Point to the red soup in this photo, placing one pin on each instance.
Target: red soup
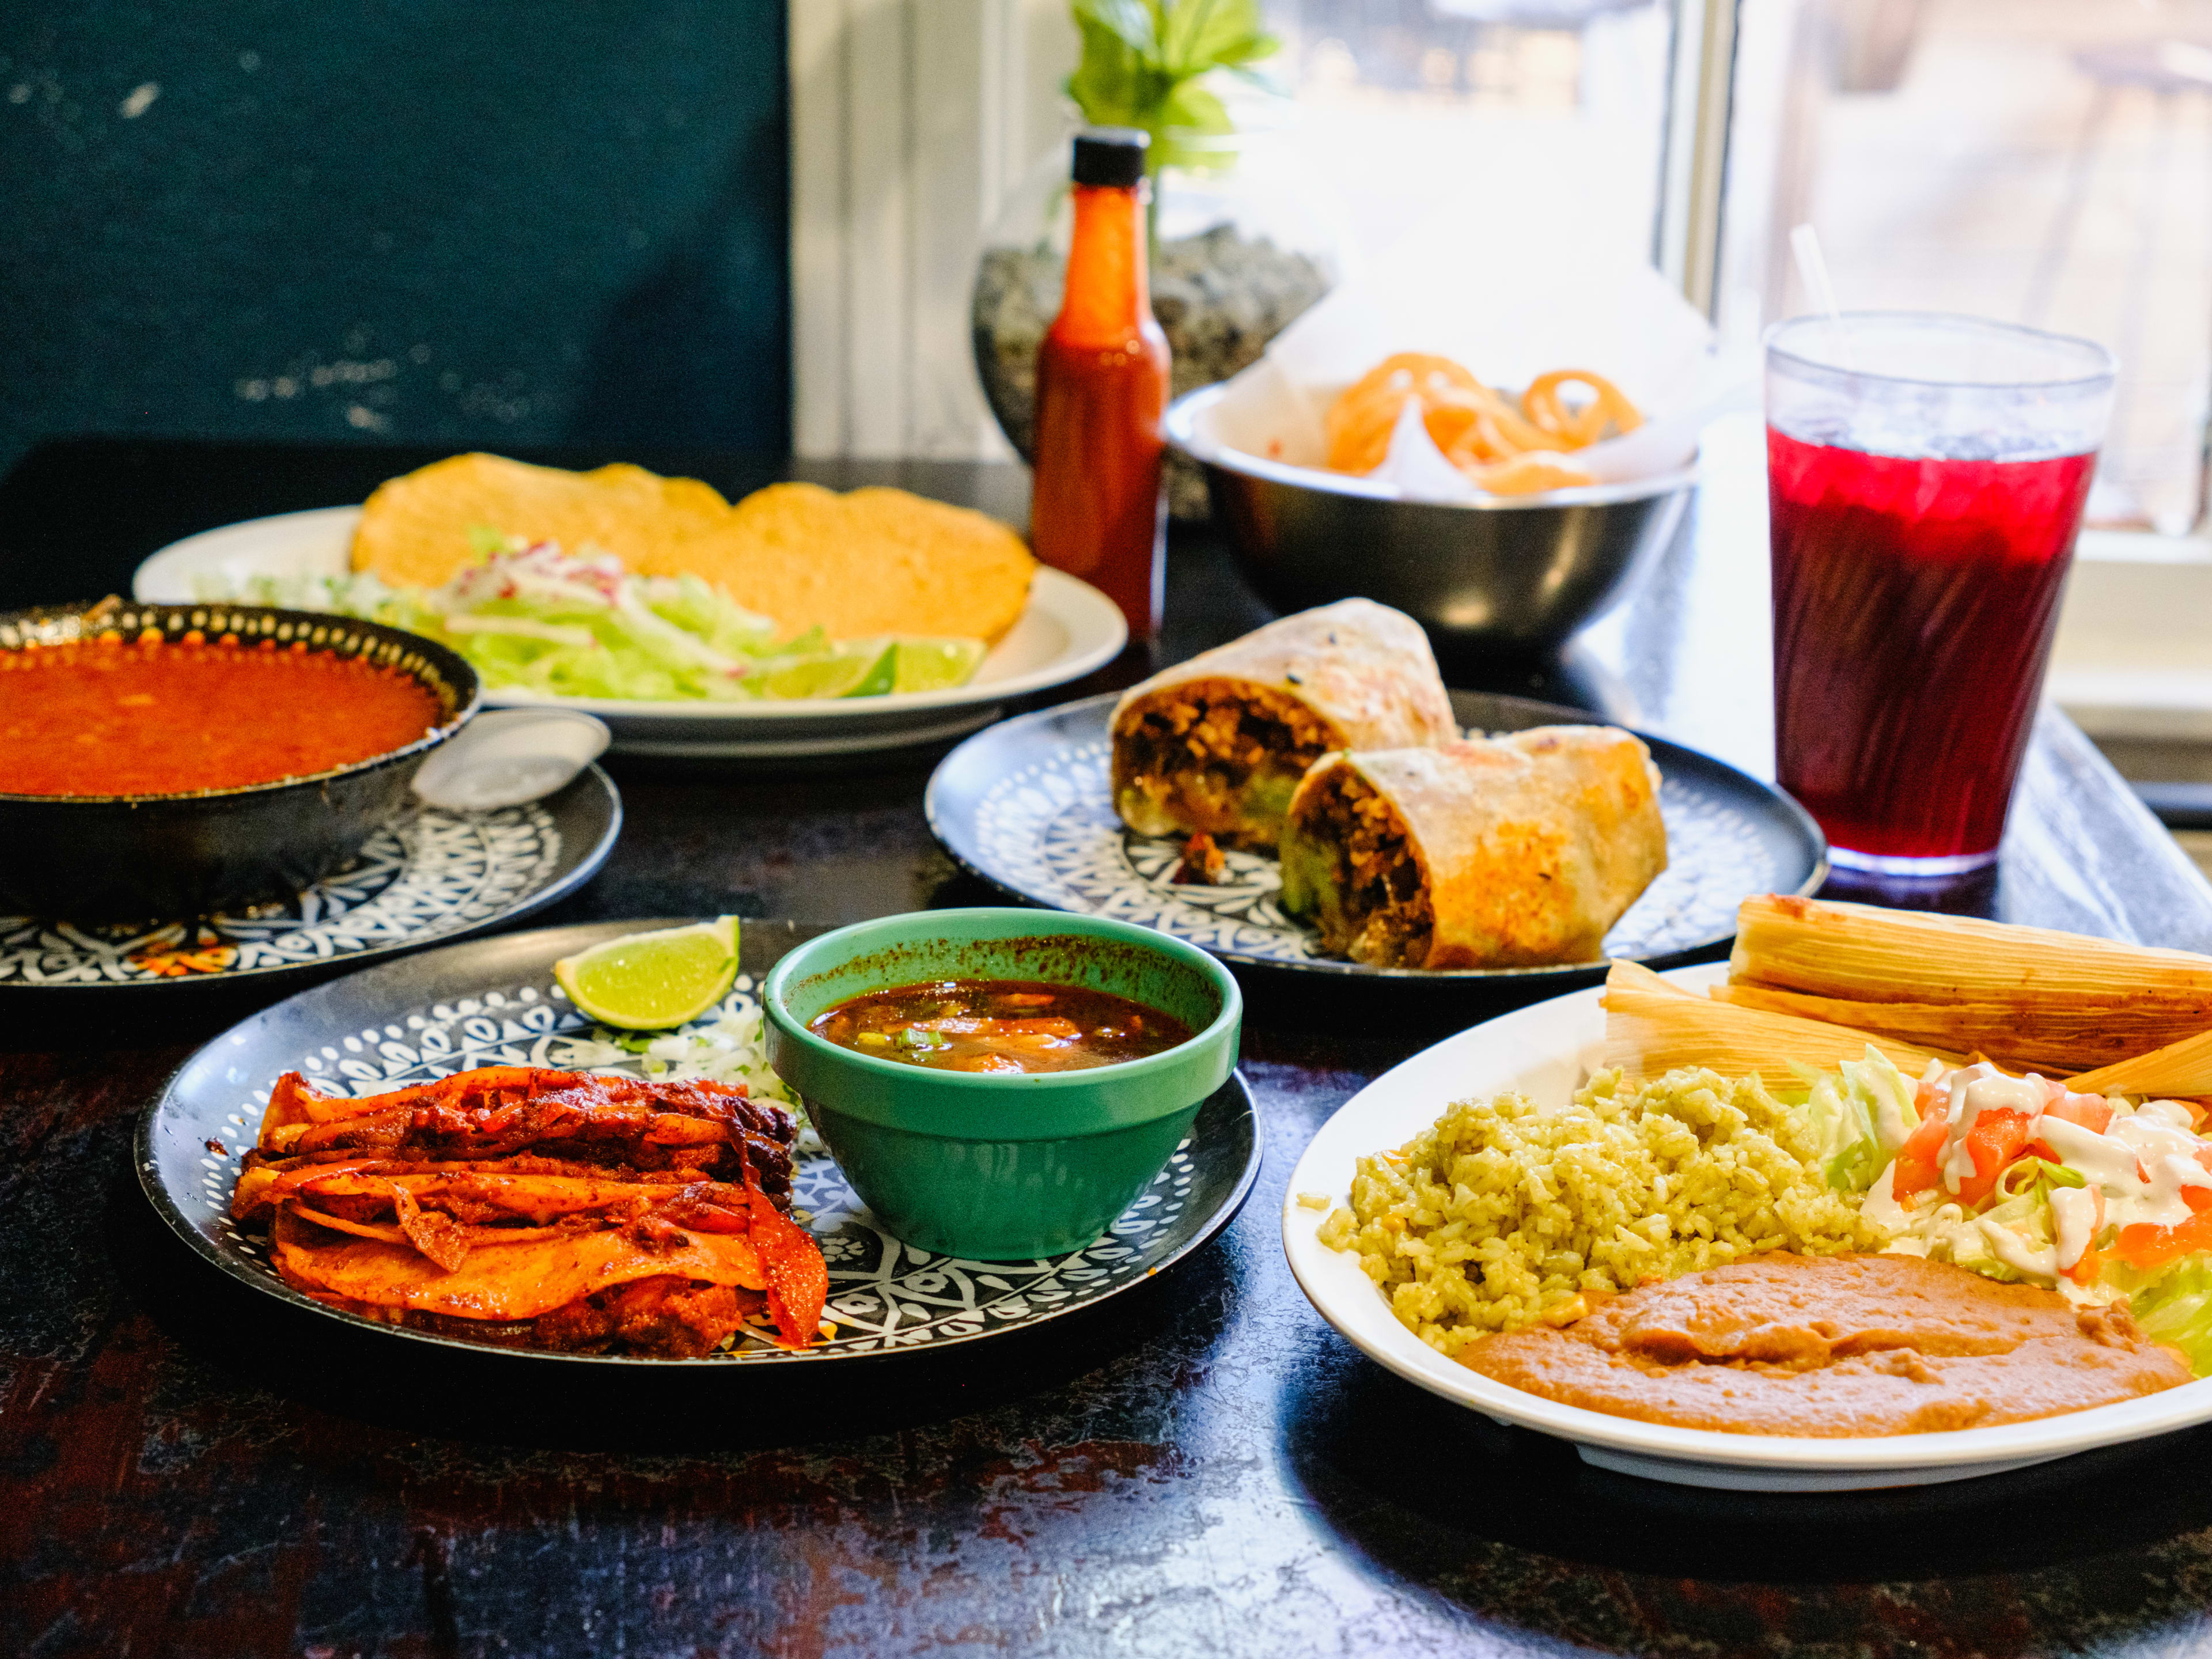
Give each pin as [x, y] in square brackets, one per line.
[161, 718]
[999, 1025]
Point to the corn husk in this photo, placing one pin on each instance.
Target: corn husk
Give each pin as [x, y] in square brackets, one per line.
[2183, 1068]
[1652, 1026]
[2028, 997]
[2057, 1042]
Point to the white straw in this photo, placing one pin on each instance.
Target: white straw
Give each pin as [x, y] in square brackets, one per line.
[1813, 267]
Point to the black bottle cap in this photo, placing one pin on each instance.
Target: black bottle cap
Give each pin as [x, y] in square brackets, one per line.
[1110, 156]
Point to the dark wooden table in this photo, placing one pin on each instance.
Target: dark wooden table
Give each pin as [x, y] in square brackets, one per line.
[1200, 1467]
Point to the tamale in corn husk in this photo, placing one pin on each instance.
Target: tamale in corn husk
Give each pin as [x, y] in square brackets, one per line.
[1653, 1026]
[2055, 1044]
[2027, 997]
[2183, 1068]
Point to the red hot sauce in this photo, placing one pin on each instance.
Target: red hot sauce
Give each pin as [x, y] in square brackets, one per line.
[1101, 387]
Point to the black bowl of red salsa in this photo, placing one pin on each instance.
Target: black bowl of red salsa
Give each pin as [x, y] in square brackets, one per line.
[160, 762]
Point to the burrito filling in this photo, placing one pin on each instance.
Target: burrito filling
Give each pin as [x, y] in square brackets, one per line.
[1350, 870]
[1219, 761]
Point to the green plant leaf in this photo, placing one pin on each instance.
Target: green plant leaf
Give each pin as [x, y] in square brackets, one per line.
[1191, 108]
[1139, 58]
[1114, 84]
[1130, 22]
[1198, 35]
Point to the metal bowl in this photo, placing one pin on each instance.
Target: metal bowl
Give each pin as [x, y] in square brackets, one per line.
[160, 857]
[1500, 578]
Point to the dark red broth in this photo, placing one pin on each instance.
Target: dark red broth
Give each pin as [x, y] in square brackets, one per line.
[161, 718]
[999, 1025]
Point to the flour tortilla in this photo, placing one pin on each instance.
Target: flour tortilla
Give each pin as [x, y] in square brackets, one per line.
[1354, 674]
[1365, 670]
[1531, 845]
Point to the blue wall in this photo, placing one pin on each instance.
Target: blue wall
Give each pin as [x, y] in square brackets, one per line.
[473, 222]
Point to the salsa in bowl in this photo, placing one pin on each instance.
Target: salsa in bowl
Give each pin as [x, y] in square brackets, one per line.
[1003, 1025]
[1001, 1162]
[160, 762]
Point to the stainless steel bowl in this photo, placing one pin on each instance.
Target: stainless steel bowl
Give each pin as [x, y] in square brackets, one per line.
[1503, 578]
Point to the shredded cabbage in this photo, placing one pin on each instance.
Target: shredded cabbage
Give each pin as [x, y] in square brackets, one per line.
[1862, 1112]
[530, 618]
[2176, 1306]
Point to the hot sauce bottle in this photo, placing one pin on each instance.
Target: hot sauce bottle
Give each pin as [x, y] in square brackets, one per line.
[1102, 387]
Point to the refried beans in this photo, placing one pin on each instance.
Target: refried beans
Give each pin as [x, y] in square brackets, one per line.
[1833, 1347]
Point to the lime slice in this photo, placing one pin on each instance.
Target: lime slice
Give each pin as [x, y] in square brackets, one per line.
[864, 672]
[936, 664]
[650, 982]
[882, 674]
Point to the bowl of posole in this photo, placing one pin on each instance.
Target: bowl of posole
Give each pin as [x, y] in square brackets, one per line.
[989, 1166]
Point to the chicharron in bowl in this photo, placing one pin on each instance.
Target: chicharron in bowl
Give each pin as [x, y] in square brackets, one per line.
[1503, 578]
[161, 858]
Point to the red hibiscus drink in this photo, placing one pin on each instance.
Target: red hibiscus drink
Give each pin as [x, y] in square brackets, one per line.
[1925, 476]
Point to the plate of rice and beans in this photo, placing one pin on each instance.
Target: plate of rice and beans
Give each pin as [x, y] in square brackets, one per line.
[1871, 1205]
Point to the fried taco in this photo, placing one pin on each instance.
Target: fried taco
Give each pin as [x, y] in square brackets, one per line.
[1217, 745]
[1503, 851]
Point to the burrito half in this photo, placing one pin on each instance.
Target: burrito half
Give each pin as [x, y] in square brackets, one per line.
[1494, 853]
[1217, 744]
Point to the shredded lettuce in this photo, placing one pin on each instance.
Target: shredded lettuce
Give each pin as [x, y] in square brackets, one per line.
[2175, 1305]
[1861, 1113]
[533, 618]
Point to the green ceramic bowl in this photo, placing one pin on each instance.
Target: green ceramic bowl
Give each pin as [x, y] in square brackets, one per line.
[999, 1167]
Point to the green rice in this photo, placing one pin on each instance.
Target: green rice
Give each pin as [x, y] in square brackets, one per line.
[1504, 1212]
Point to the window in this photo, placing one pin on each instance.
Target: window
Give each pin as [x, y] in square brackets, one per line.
[1535, 107]
[2042, 161]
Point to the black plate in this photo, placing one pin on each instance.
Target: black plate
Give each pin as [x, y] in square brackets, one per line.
[432, 878]
[493, 1002]
[1025, 805]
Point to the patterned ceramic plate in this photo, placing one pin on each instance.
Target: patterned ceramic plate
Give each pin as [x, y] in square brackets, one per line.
[1026, 806]
[493, 1003]
[431, 878]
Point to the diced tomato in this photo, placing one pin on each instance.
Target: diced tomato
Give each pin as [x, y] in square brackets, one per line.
[2092, 1263]
[1916, 1170]
[2093, 1112]
[1997, 1139]
[2145, 1246]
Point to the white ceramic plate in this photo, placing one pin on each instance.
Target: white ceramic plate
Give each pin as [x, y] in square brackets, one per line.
[1545, 1051]
[1069, 629]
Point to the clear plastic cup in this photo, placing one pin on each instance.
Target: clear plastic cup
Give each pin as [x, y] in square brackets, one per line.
[1925, 477]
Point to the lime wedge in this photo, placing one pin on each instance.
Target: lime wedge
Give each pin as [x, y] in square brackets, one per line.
[865, 671]
[936, 664]
[650, 982]
[882, 675]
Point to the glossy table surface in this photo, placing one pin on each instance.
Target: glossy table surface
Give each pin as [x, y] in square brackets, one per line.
[1202, 1468]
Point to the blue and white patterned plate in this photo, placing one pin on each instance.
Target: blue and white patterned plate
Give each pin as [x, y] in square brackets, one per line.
[1027, 807]
[493, 1003]
[431, 878]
